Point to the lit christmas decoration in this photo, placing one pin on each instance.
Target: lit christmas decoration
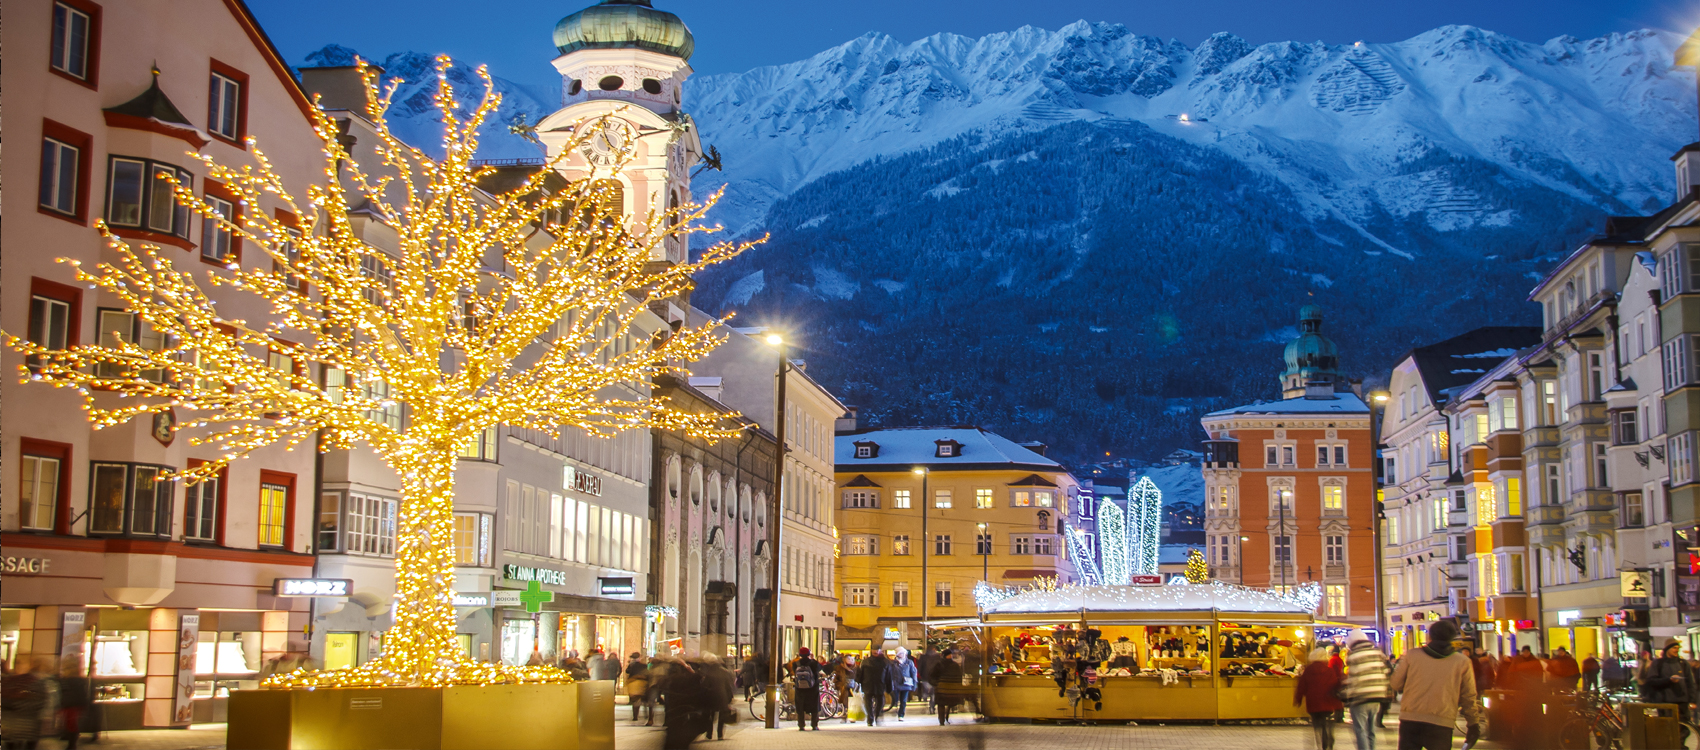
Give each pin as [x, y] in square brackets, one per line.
[499, 309]
[1081, 552]
[1144, 526]
[1197, 570]
[1213, 595]
[1112, 536]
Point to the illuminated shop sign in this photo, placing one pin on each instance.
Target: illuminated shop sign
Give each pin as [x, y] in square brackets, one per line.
[540, 575]
[471, 600]
[579, 480]
[616, 586]
[312, 586]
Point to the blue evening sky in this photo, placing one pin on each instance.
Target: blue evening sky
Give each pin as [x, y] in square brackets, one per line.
[512, 36]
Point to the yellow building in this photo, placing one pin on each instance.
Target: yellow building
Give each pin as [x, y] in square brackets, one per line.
[926, 513]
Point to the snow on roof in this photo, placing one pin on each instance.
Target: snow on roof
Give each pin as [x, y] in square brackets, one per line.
[1339, 403]
[1215, 596]
[1175, 553]
[919, 446]
[1500, 353]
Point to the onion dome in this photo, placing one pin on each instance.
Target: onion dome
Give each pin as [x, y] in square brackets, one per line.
[1311, 353]
[624, 24]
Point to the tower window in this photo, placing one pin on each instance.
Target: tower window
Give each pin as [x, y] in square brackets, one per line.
[611, 83]
[575, 87]
[652, 86]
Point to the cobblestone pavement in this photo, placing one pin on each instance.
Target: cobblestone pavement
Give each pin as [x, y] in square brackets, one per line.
[920, 730]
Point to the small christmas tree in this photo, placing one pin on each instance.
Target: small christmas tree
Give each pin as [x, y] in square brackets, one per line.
[1197, 571]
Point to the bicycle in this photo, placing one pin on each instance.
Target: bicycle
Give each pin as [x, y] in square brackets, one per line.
[1595, 723]
[831, 707]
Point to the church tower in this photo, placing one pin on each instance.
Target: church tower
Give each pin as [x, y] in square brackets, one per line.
[1311, 358]
[625, 60]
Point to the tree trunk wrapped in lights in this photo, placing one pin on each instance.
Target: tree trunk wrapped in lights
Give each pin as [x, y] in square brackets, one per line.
[482, 321]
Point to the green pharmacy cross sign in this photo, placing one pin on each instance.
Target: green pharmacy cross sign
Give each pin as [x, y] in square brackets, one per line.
[534, 596]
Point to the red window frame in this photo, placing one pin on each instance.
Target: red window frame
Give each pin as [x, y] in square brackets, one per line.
[93, 10]
[291, 221]
[241, 79]
[222, 502]
[71, 296]
[84, 143]
[62, 452]
[286, 479]
[218, 190]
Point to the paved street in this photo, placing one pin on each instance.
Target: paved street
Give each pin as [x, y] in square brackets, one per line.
[920, 730]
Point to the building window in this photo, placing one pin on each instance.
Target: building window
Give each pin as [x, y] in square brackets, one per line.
[1339, 455]
[1596, 376]
[861, 499]
[1333, 500]
[376, 268]
[76, 40]
[900, 594]
[941, 498]
[1043, 545]
[54, 311]
[1322, 455]
[864, 451]
[1440, 509]
[1021, 545]
[861, 545]
[201, 502]
[1284, 548]
[1390, 472]
[1392, 530]
[1508, 413]
[1287, 452]
[139, 196]
[1549, 403]
[61, 176]
[1677, 360]
[861, 595]
[217, 241]
[1487, 505]
[983, 543]
[1600, 466]
[473, 539]
[1633, 511]
[900, 499]
[480, 447]
[1626, 432]
[941, 594]
[1515, 571]
[1460, 548]
[941, 544]
[1335, 548]
[1513, 497]
[1271, 456]
[1679, 270]
[1555, 487]
[274, 509]
[1281, 498]
[226, 102]
[119, 327]
[39, 482]
[371, 525]
[983, 497]
[1336, 600]
[130, 499]
[1033, 499]
[900, 544]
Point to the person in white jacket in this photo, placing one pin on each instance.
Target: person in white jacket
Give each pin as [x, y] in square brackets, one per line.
[1366, 687]
[1437, 683]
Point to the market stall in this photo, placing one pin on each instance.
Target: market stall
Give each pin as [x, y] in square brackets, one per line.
[1121, 653]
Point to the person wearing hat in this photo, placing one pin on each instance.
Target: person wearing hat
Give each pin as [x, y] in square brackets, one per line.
[1669, 679]
[805, 689]
[1437, 683]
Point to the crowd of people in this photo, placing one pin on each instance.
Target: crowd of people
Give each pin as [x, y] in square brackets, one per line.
[39, 700]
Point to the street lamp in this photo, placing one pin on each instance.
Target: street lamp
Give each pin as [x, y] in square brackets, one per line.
[921, 472]
[985, 545]
[776, 520]
[1378, 405]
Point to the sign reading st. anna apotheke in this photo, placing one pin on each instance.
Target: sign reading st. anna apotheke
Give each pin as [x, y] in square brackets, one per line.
[540, 575]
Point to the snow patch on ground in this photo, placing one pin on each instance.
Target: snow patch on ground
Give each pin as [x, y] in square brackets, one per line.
[890, 286]
[745, 288]
[833, 284]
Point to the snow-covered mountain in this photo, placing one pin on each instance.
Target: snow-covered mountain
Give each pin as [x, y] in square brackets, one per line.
[1594, 119]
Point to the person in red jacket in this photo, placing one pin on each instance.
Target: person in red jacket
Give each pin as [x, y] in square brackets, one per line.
[1562, 670]
[1316, 690]
[1591, 673]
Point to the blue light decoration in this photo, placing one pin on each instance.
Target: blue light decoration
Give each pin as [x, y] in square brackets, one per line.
[1144, 526]
[1112, 535]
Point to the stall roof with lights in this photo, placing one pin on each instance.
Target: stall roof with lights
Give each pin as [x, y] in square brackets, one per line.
[1109, 603]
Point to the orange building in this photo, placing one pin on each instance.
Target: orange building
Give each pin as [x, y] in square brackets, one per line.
[1289, 485]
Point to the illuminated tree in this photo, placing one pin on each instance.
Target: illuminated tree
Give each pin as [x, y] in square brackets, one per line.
[1197, 570]
[497, 309]
[1144, 526]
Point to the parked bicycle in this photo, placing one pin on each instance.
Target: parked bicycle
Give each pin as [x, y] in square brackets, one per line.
[831, 707]
[1597, 723]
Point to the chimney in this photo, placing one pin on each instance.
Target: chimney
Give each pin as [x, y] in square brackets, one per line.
[1687, 170]
[338, 87]
[1319, 389]
[1358, 388]
[1035, 446]
[846, 423]
[710, 387]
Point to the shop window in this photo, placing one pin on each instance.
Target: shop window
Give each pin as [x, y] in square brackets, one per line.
[43, 484]
[139, 196]
[473, 541]
[371, 525]
[130, 499]
[203, 506]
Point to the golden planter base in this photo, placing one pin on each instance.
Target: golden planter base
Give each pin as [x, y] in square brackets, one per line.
[579, 716]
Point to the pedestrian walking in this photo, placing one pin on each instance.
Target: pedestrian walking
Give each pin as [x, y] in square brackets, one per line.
[1367, 673]
[1315, 690]
[841, 679]
[749, 677]
[1591, 673]
[806, 676]
[902, 682]
[946, 677]
[1614, 674]
[875, 683]
[75, 696]
[1437, 683]
[1562, 670]
[637, 686]
[718, 691]
[605, 666]
[658, 670]
[683, 695]
[1669, 679]
[1523, 690]
[924, 670]
[23, 702]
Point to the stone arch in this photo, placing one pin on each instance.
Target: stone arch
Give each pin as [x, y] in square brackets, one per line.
[744, 503]
[693, 612]
[694, 488]
[730, 494]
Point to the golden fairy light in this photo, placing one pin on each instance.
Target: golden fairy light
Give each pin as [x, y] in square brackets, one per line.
[517, 308]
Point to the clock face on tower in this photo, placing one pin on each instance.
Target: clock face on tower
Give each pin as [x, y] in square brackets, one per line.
[608, 138]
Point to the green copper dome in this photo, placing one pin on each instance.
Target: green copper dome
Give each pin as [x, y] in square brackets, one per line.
[1311, 354]
[624, 24]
